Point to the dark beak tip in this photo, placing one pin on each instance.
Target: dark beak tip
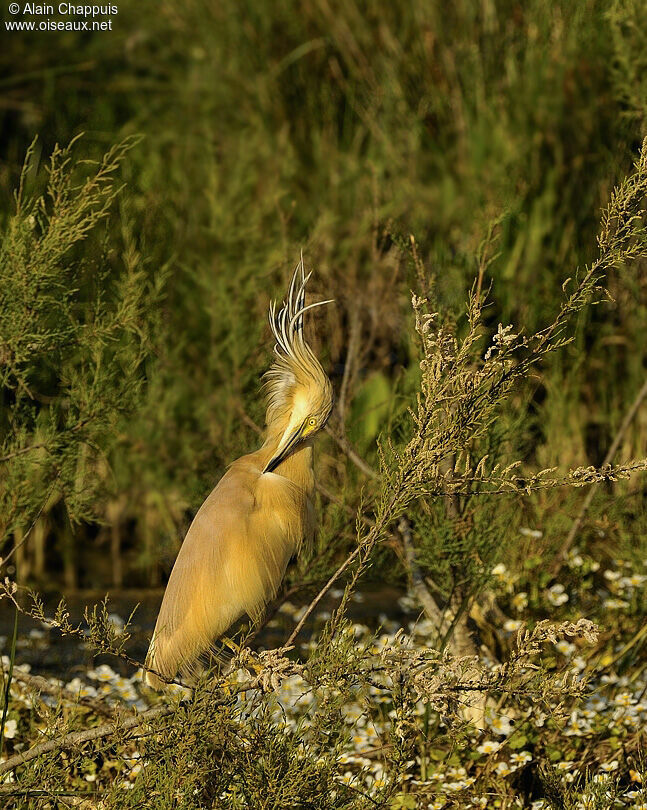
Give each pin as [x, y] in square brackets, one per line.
[287, 450]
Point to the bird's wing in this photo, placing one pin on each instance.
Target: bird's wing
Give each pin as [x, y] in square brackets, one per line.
[231, 562]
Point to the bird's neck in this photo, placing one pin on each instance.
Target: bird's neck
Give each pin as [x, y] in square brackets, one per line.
[297, 467]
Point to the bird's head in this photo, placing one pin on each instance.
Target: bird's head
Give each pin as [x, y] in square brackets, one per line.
[299, 394]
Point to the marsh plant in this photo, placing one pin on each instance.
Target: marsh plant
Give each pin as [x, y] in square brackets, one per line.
[434, 712]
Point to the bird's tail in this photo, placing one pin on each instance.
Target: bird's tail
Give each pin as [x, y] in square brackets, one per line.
[167, 659]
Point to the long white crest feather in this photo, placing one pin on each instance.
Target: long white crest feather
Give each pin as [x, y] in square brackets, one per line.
[294, 357]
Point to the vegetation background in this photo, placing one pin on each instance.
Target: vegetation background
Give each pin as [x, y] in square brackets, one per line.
[132, 342]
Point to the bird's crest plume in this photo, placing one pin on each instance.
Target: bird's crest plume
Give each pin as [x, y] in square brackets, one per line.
[295, 361]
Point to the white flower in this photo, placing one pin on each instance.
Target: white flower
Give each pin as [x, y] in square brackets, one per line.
[610, 766]
[556, 595]
[520, 758]
[135, 769]
[624, 699]
[615, 604]
[512, 625]
[501, 725]
[489, 747]
[499, 570]
[102, 673]
[460, 785]
[578, 726]
[531, 533]
[598, 703]
[566, 648]
[520, 600]
[408, 603]
[578, 663]
[117, 623]
[10, 729]
[81, 689]
[503, 769]
[564, 765]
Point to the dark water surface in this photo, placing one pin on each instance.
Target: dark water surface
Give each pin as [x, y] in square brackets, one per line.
[53, 655]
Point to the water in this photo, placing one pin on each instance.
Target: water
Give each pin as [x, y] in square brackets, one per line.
[52, 655]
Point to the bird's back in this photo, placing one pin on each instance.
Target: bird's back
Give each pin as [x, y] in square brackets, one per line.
[231, 562]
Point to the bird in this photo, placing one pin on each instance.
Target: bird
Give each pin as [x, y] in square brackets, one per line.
[258, 516]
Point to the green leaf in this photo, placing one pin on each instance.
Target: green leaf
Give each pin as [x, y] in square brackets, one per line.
[404, 800]
[369, 411]
[517, 741]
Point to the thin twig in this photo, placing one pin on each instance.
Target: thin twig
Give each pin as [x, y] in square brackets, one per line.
[11, 790]
[365, 545]
[47, 445]
[247, 419]
[345, 446]
[40, 684]
[271, 609]
[3, 560]
[613, 449]
[22, 452]
[67, 629]
[74, 738]
[351, 354]
[417, 581]
[351, 557]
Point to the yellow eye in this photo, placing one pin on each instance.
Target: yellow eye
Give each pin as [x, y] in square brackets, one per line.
[312, 422]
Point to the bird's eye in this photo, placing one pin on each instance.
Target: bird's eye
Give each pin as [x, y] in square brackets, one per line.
[312, 422]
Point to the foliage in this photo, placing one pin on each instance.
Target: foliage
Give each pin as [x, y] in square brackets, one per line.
[72, 343]
[132, 339]
[340, 130]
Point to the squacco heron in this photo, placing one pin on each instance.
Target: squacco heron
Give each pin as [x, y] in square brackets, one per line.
[236, 551]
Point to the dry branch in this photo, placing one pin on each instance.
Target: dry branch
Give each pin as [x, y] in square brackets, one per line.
[79, 737]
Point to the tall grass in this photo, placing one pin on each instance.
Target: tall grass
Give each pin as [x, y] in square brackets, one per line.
[342, 130]
[463, 152]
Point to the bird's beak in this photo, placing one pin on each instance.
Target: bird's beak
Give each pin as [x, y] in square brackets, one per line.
[290, 439]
